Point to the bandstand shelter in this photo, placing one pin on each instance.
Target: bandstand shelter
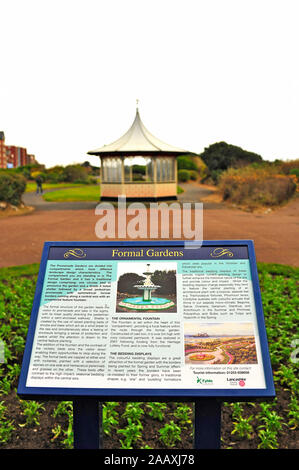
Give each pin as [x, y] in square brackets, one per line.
[138, 166]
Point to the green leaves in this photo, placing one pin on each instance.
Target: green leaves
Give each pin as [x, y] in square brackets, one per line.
[132, 433]
[293, 413]
[243, 427]
[133, 412]
[279, 289]
[183, 413]
[110, 417]
[170, 434]
[280, 303]
[31, 411]
[63, 408]
[6, 425]
[156, 410]
[267, 439]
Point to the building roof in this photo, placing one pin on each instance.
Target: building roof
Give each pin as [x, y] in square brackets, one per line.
[137, 141]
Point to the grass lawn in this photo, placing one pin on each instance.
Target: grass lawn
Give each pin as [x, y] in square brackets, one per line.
[85, 192]
[71, 192]
[264, 425]
[31, 186]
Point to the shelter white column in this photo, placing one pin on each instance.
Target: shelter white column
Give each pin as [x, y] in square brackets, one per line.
[155, 176]
[123, 190]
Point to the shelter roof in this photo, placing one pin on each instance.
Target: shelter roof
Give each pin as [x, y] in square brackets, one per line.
[137, 141]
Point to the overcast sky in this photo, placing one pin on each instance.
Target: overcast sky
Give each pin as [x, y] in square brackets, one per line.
[219, 328]
[203, 70]
[141, 267]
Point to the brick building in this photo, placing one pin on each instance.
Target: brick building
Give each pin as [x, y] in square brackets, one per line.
[16, 156]
[3, 159]
[12, 156]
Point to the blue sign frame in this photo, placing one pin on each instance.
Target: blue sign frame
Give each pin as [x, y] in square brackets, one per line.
[117, 394]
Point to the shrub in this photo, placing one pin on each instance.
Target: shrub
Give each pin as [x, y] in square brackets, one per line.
[139, 169]
[183, 175]
[186, 162]
[216, 175]
[220, 156]
[195, 165]
[202, 169]
[295, 171]
[193, 175]
[26, 170]
[75, 173]
[256, 187]
[55, 174]
[138, 177]
[92, 180]
[289, 167]
[12, 186]
[42, 175]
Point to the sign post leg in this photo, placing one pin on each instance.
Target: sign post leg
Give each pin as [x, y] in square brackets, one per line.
[87, 424]
[207, 424]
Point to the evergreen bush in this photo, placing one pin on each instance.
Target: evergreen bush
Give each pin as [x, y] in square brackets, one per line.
[12, 186]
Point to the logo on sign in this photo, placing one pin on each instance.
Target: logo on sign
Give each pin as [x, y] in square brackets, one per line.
[234, 381]
[75, 252]
[218, 252]
[201, 381]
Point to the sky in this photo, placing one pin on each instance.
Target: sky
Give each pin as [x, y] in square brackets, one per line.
[141, 267]
[219, 328]
[203, 72]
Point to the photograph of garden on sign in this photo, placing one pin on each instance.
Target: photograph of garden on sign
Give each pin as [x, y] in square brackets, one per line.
[217, 344]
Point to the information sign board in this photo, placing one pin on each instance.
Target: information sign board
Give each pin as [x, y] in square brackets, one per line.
[147, 320]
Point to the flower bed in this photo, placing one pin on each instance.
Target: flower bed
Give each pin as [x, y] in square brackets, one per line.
[48, 425]
[201, 357]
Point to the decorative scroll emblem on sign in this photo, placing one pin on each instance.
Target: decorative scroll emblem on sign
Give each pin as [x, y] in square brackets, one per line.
[217, 252]
[76, 252]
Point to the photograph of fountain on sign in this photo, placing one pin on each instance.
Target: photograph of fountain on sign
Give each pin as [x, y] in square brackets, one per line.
[151, 287]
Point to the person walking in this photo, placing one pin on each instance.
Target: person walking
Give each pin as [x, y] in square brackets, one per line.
[39, 185]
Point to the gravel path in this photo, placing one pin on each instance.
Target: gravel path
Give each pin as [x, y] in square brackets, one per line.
[37, 201]
[275, 234]
[192, 193]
